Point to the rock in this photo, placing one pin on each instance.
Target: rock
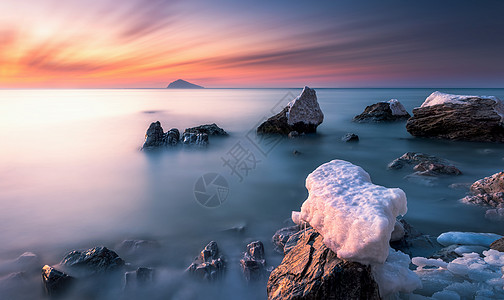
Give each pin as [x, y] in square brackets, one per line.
[195, 139]
[389, 111]
[55, 282]
[293, 135]
[209, 265]
[425, 164]
[302, 114]
[447, 254]
[171, 137]
[93, 261]
[154, 136]
[282, 235]
[495, 215]
[488, 191]
[350, 137]
[142, 277]
[296, 153]
[253, 262]
[498, 245]
[312, 271]
[413, 242]
[210, 129]
[182, 84]
[458, 117]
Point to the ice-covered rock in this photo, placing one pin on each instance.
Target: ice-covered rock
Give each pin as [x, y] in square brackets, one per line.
[394, 275]
[423, 262]
[392, 110]
[467, 238]
[355, 216]
[487, 191]
[459, 117]
[303, 115]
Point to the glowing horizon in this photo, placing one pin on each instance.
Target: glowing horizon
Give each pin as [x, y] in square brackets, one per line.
[97, 44]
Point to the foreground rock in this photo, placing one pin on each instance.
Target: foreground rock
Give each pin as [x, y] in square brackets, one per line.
[389, 111]
[425, 164]
[195, 136]
[55, 282]
[488, 191]
[355, 216]
[97, 260]
[302, 115]
[253, 262]
[458, 117]
[312, 271]
[209, 265]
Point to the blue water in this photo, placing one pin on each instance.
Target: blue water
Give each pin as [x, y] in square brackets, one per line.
[73, 177]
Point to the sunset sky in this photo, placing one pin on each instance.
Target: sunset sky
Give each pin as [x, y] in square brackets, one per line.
[229, 43]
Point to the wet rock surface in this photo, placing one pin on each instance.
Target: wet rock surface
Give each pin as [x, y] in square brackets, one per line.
[312, 271]
[425, 164]
[468, 118]
[488, 191]
[282, 235]
[302, 115]
[253, 262]
[389, 111]
[209, 265]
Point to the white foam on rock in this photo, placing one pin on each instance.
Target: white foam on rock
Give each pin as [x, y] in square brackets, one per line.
[355, 216]
[467, 238]
[397, 108]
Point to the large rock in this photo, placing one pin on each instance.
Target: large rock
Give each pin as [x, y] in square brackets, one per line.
[209, 265]
[458, 117]
[253, 262]
[302, 114]
[154, 137]
[425, 164]
[182, 84]
[389, 111]
[488, 191]
[97, 260]
[312, 271]
[498, 245]
[55, 282]
[210, 129]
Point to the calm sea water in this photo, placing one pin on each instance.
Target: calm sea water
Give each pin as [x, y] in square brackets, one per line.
[72, 175]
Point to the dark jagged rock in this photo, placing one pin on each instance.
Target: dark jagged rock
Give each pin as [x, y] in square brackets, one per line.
[210, 129]
[93, 261]
[171, 137]
[209, 264]
[253, 262]
[488, 191]
[195, 139]
[425, 164]
[498, 245]
[350, 137]
[456, 117]
[154, 136]
[312, 271]
[389, 111]
[182, 84]
[55, 282]
[142, 277]
[302, 114]
[282, 235]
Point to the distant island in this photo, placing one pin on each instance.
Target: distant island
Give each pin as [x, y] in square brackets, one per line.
[182, 84]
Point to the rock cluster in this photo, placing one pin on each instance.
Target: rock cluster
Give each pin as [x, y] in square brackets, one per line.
[425, 164]
[488, 191]
[209, 265]
[458, 117]
[301, 115]
[389, 111]
[197, 136]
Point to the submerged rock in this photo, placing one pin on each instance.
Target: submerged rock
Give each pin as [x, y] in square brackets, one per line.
[142, 277]
[488, 191]
[425, 164]
[459, 117]
[312, 271]
[210, 129]
[389, 111]
[209, 265]
[302, 114]
[253, 262]
[93, 261]
[55, 282]
[350, 137]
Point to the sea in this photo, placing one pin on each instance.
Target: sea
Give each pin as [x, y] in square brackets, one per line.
[73, 176]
